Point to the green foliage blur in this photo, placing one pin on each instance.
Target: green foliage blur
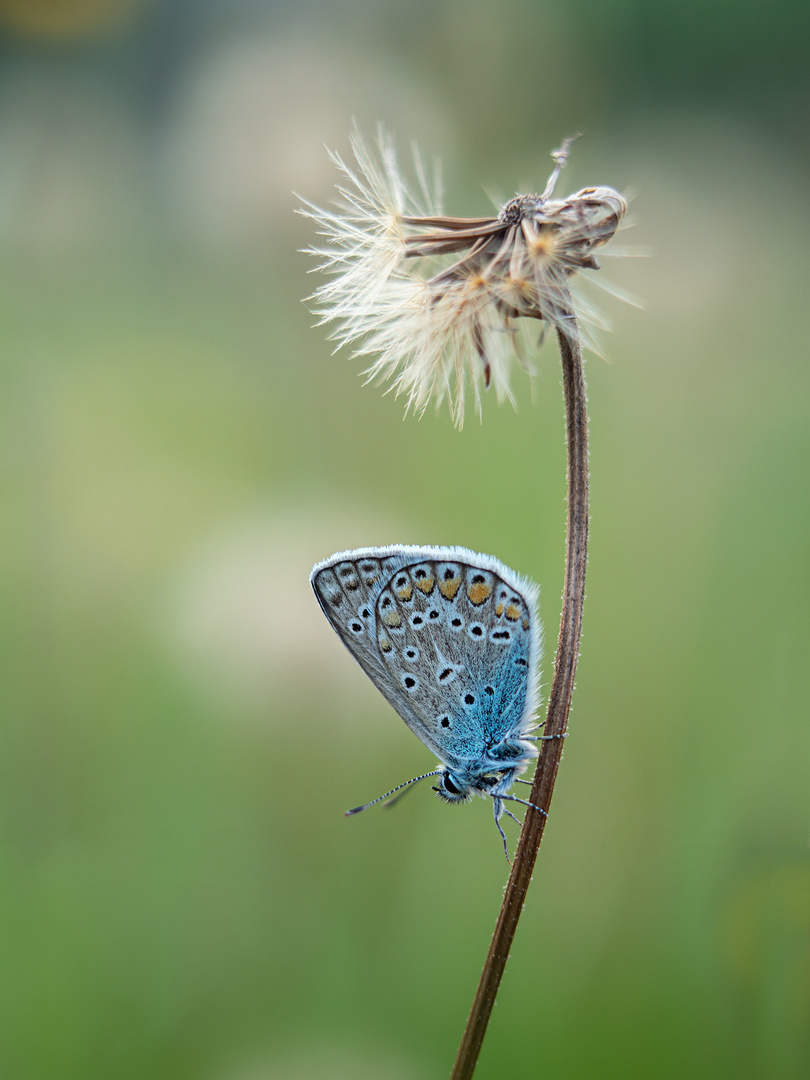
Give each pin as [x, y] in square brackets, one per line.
[181, 731]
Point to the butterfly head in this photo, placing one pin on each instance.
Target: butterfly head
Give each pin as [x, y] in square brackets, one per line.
[456, 786]
[452, 787]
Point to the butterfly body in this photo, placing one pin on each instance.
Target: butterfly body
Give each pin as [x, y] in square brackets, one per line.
[451, 639]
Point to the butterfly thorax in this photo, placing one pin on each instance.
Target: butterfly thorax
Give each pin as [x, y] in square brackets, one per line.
[491, 774]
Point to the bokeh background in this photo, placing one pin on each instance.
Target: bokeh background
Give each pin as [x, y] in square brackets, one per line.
[181, 896]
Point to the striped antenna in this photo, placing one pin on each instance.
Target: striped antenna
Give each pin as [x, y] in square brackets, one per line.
[393, 791]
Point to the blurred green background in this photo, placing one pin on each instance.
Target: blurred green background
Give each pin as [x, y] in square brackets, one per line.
[181, 731]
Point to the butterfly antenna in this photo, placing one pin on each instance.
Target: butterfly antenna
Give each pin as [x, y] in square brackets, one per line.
[400, 795]
[393, 791]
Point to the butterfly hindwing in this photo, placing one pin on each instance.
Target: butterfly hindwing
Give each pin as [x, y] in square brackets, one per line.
[450, 638]
[459, 644]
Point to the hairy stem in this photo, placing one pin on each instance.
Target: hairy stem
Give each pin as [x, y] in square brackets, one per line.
[559, 705]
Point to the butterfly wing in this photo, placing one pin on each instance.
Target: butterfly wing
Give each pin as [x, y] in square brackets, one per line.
[450, 638]
[347, 586]
[459, 635]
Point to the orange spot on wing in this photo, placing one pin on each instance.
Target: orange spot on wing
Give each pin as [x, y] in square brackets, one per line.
[450, 587]
[426, 584]
[392, 618]
[478, 592]
[513, 611]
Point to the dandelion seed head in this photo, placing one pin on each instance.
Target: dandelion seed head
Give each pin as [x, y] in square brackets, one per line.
[442, 304]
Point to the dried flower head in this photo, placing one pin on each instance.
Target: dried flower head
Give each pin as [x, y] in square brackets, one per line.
[431, 327]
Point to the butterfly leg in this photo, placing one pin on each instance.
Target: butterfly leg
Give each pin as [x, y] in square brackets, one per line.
[498, 808]
[514, 798]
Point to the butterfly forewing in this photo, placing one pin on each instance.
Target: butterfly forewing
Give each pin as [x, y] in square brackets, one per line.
[346, 587]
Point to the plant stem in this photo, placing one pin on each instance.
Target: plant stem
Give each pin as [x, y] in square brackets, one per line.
[559, 704]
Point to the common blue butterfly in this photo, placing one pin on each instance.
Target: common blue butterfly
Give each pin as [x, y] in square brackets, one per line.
[452, 641]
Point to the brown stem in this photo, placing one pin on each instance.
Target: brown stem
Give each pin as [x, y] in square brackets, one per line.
[559, 705]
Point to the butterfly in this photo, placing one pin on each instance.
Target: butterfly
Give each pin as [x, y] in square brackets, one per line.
[452, 641]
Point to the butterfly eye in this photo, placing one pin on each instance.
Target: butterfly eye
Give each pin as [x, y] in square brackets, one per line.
[449, 786]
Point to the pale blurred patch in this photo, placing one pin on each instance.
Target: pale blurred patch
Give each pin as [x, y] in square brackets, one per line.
[332, 1063]
[250, 126]
[241, 619]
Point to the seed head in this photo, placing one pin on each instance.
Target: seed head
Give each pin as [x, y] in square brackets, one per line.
[439, 301]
